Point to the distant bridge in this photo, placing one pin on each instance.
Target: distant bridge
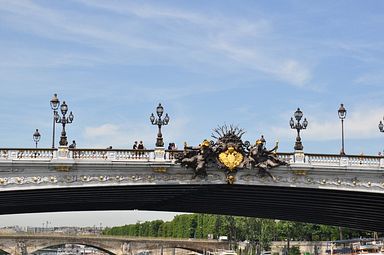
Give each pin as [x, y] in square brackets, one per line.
[29, 244]
[326, 189]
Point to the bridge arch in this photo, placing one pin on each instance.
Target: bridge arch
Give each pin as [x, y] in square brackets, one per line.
[34, 245]
[354, 209]
[3, 252]
[58, 244]
[30, 244]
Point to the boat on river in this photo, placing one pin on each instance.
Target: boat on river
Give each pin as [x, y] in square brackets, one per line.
[356, 247]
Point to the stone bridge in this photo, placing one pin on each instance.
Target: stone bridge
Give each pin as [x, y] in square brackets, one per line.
[29, 244]
[318, 188]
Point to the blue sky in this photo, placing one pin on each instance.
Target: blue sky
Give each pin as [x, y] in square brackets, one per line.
[248, 63]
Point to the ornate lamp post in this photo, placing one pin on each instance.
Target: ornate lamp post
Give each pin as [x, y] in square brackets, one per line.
[159, 122]
[298, 126]
[381, 126]
[54, 105]
[342, 114]
[36, 137]
[64, 120]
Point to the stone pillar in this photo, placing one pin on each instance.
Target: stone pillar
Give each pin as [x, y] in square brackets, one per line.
[299, 157]
[21, 248]
[63, 152]
[173, 251]
[344, 161]
[161, 250]
[160, 153]
[125, 248]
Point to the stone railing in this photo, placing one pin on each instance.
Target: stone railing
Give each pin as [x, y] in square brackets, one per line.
[344, 160]
[159, 154]
[109, 154]
[22, 153]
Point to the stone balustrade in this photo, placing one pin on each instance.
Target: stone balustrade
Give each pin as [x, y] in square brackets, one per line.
[24, 153]
[331, 160]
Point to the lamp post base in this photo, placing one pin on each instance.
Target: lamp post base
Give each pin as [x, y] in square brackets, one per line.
[298, 146]
[159, 142]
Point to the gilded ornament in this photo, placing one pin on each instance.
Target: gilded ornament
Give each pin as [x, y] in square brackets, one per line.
[230, 179]
[160, 170]
[231, 153]
[231, 158]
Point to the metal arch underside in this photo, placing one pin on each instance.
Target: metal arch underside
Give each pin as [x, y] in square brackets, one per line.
[358, 210]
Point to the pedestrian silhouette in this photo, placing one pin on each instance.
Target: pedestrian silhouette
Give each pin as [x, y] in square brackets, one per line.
[140, 146]
[73, 145]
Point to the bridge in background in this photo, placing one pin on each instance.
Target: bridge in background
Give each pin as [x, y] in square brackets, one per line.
[30, 244]
[325, 189]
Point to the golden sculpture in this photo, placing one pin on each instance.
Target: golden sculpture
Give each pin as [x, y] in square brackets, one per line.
[231, 158]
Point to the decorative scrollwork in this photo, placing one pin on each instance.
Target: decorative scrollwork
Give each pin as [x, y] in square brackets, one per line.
[229, 152]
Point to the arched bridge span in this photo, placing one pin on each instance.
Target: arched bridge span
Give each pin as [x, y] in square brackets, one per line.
[359, 210]
[326, 189]
[29, 244]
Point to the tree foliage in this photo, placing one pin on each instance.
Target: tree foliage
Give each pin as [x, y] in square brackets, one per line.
[259, 232]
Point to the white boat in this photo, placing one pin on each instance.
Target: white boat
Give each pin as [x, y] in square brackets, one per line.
[226, 252]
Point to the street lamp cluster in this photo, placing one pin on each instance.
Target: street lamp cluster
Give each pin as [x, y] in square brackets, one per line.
[64, 120]
[298, 126]
[159, 121]
[342, 112]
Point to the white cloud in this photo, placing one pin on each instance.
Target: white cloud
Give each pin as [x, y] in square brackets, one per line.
[71, 26]
[146, 11]
[288, 70]
[103, 130]
[372, 79]
[119, 136]
[222, 41]
[123, 136]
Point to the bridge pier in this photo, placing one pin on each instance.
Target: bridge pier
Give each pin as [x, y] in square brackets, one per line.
[15, 248]
[126, 249]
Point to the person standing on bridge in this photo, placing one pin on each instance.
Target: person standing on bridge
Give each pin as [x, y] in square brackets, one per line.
[134, 147]
[73, 145]
[140, 146]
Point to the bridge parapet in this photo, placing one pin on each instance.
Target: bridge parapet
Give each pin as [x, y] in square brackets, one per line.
[89, 155]
[333, 160]
[27, 153]
[23, 168]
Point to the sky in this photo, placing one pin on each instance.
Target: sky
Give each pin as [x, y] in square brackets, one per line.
[210, 63]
